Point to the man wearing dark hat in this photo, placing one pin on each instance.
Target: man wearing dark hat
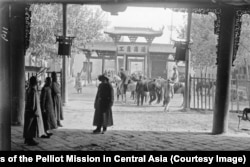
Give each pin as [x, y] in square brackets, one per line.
[103, 105]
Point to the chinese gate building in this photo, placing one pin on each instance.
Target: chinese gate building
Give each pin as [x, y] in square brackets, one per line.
[149, 58]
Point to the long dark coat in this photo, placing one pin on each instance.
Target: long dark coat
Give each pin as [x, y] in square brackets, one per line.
[49, 119]
[103, 105]
[33, 122]
[56, 96]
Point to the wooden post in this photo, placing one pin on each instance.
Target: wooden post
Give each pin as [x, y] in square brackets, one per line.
[124, 62]
[205, 79]
[209, 95]
[116, 59]
[201, 92]
[198, 94]
[193, 79]
[146, 62]
[88, 71]
[17, 50]
[5, 79]
[226, 43]
[65, 60]
[213, 95]
[231, 99]
[247, 80]
[149, 64]
[237, 92]
[187, 66]
[103, 63]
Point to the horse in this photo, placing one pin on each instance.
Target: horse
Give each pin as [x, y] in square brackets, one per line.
[131, 86]
[144, 86]
[245, 112]
[160, 88]
[205, 85]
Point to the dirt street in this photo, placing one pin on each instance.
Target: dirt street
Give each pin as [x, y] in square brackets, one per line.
[80, 109]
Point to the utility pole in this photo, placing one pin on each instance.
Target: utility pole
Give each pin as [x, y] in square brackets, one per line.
[65, 60]
[187, 62]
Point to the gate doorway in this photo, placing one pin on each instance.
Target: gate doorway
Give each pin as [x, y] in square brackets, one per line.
[158, 68]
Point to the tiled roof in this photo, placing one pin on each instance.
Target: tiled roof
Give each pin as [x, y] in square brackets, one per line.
[154, 48]
[161, 48]
[130, 31]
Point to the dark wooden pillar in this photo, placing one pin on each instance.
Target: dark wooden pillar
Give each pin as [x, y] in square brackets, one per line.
[145, 69]
[187, 63]
[88, 69]
[124, 62]
[116, 61]
[64, 61]
[5, 79]
[226, 39]
[17, 24]
[149, 65]
[127, 64]
[103, 63]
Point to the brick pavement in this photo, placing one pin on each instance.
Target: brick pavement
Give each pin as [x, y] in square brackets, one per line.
[113, 140]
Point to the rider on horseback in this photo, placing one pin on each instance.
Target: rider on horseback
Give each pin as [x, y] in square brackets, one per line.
[174, 78]
[124, 79]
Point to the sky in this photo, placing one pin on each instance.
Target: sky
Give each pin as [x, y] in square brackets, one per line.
[154, 18]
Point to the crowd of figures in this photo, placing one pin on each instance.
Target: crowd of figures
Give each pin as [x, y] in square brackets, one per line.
[141, 88]
[43, 109]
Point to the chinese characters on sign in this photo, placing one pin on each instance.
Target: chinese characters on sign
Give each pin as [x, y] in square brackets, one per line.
[4, 34]
[132, 49]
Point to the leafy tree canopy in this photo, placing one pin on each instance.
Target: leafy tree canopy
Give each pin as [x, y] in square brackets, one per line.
[203, 49]
[244, 45]
[84, 22]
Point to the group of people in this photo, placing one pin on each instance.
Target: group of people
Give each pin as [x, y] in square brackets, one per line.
[105, 98]
[43, 111]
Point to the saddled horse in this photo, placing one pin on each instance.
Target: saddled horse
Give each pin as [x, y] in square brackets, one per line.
[121, 91]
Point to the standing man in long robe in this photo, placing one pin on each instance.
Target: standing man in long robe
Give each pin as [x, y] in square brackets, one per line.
[56, 95]
[103, 105]
[33, 122]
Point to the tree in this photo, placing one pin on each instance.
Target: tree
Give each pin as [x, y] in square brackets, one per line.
[205, 41]
[44, 24]
[204, 44]
[84, 22]
[244, 45]
[203, 47]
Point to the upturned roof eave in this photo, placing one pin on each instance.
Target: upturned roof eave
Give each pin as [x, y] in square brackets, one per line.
[156, 34]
